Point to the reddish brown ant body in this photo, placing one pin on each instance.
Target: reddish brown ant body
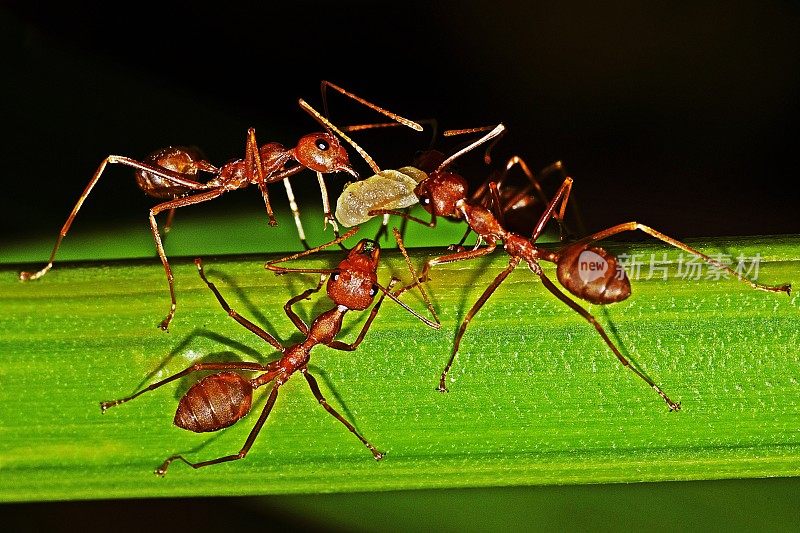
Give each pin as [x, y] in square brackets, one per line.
[220, 400]
[389, 190]
[444, 194]
[171, 173]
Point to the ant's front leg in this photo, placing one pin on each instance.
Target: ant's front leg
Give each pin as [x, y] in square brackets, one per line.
[632, 226]
[233, 314]
[326, 206]
[294, 317]
[452, 258]
[272, 265]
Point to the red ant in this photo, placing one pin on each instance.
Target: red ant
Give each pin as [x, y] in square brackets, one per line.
[444, 194]
[220, 400]
[171, 174]
[389, 190]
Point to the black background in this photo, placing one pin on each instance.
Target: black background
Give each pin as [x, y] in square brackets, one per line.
[682, 115]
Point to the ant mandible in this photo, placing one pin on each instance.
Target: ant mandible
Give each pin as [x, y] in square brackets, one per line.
[221, 399]
[171, 174]
[444, 194]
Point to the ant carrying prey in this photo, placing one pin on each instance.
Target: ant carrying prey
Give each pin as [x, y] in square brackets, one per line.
[387, 191]
[444, 194]
[221, 399]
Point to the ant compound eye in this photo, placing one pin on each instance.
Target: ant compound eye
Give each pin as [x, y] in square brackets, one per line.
[374, 290]
[425, 200]
[322, 144]
[335, 277]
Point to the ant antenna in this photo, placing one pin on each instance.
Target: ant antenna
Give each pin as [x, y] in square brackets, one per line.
[327, 123]
[499, 129]
[404, 121]
[487, 155]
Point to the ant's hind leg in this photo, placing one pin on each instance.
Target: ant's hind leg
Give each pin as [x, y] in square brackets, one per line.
[549, 285]
[168, 175]
[312, 383]
[198, 367]
[632, 226]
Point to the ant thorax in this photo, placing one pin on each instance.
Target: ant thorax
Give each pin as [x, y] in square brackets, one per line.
[482, 222]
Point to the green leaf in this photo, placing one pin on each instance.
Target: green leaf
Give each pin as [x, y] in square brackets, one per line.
[535, 398]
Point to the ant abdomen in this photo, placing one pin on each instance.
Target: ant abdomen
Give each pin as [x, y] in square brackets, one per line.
[593, 274]
[180, 159]
[215, 402]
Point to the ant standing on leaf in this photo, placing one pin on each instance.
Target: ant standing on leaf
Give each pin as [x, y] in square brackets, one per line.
[444, 194]
[220, 400]
[170, 176]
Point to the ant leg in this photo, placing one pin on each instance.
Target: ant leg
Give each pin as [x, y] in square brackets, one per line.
[523, 198]
[189, 200]
[296, 320]
[326, 206]
[173, 177]
[254, 168]
[397, 118]
[295, 213]
[459, 247]
[168, 223]
[452, 258]
[233, 314]
[270, 265]
[673, 406]
[472, 312]
[383, 231]
[495, 199]
[404, 215]
[312, 383]
[273, 395]
[399, 239]
[632, 226]
[197, 367]
[562, 197]
[252, 160]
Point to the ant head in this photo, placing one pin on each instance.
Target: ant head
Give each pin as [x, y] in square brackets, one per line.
[322, 152]
[439, 193]
[354, 284]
